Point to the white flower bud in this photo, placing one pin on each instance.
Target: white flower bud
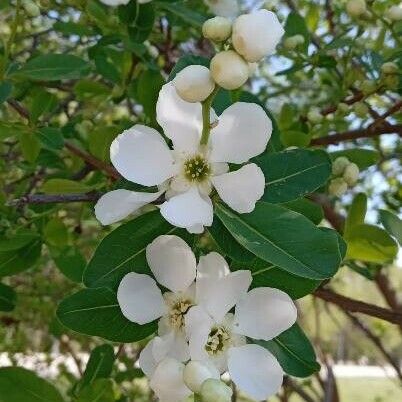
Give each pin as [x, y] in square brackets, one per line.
[256, 35]
[215, 391]
[339, 165]
[389, 68]
[194, 375]
[223, 8]
[368, 87]
[293, 41]
[119, 2]
[394, 13]
[31, 8]
[229, 70]
[356, 8]
[194, 83]
[269, 5]
[217, 29]
[314, 116]
[337, 187]
[351, 174]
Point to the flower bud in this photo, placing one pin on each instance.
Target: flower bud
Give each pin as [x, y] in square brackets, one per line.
[314, 116]
[269, 5]
[213, 390]
[194, 83]
[360, 109]
[339, 165]
[194, 375]
[217, 29]
[343, 108]
[394, 13]
[351, 174]
[356, 8]
[120, 2]
[293, 41]
[391, 81]
[256, 35]
[337, 187]
[31, 8]
[223, 8]
[389, 68]
[368, 87]
[229, 70]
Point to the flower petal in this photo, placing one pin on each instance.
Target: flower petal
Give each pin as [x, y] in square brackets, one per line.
[141, 155]
[218, 295]
[139, 298]
[188, 210]
[224, 8]
[241, 189]
[264, 313]
[147, 360]
[118, 204]
[181, 121]
[255, 371]
[172, 262]
[173, 345]
[167, 381]
[243, 132]
[213, 266]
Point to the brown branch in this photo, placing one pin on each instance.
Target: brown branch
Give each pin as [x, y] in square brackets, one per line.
[297, 389]
[330, 16]
[356, 306]
[21, 110]
[56, 198]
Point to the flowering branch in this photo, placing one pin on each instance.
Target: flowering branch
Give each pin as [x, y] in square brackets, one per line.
[56, 198]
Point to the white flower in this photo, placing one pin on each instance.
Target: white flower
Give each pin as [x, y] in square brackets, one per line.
[219, 337]
[256, 35]
[337, 187]
[214, 390]
[394, 13]
[355, 8]
[224, 8]
[351, 174]
[217, 29]
[116, 2]
[194, 83]
[190, 171]
[195, 373]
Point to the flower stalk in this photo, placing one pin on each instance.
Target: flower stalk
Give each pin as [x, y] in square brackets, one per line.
[206, 116]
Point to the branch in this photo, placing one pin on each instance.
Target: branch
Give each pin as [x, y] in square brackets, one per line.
[56, 198]
[356, 306]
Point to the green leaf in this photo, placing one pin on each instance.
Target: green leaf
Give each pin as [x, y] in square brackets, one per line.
[54, 67]
[187, 15]
[13, 262]
[392, 224]
[100, 139]
[20, 385]
[30, 146]
[295, 138]
[56, 233]
[64, 186]
[21, 239]
[99, 391]
[308, 208]
[10, 129]
[51, 138]
[357, 212]
[363, 158]
[293, 174]
[5, 90]
[123, 250]
[70, 262]
[88, 90]
[370, 243]
[8, 298]
[284, 238]
[296, 25]
[96, 312]
[294, 352]
[72, 28]
[42, 102]
[100, 365]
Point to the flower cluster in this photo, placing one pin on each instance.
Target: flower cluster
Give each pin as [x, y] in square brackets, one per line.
[198, 337]
[346, 174]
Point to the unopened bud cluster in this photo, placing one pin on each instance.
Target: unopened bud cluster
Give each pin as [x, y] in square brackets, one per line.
[345, 174]
[390, 73]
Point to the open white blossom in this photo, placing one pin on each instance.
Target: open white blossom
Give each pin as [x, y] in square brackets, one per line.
[223, 8]
[218, 337]
[189, 172]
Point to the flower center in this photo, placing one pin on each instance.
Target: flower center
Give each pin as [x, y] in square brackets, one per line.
[196, 169]
[218, 340]
[177, 312]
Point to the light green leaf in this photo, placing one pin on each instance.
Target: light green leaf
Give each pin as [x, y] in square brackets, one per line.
[187, 15]
[96, 312]
[392, 223]
[56, 233]
[99, 141]
[357, 212]
[8, 298]
[99, 391]
[363, 158]
[64, 186]
[30, 146]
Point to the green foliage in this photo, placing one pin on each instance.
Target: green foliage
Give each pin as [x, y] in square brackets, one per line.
[8, 298]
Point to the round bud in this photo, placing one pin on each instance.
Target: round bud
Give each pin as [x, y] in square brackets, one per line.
[213, 390]
[391, 81]
[389, 68]
[360, 109]
[394, 13]
[356, 8]
[256, 35]
[314, 116]
[339, 165]
[120, 2]
[195, 373]
[194, 83]
[337, 187]
[293, 41]
[229, 70]
[269, 5]
[368, 87]
[31, 8]
[351, 174]
[217, 29]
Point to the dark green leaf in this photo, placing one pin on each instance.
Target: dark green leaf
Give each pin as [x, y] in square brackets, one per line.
[72, 28]
[70, 262]
[21, 239]
[51, 137]
[5, 90]
[308, 208]
[99, 391]
[8, 298]
[187, 15]
[96, 312]
[392, 223]
[296, 25]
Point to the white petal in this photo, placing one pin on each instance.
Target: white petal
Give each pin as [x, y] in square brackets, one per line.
[118, 204]
[264, 313]
[241, 189]
[218, 295]
[140, 299]
[173, 345]
[141, 155]
[213, 266]
[198, 325]
[255, 371]
[167, 381]
[188, 210]
[147, 360]
[224, 8]
[181, 121]
[243, 132]
[172, 262]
